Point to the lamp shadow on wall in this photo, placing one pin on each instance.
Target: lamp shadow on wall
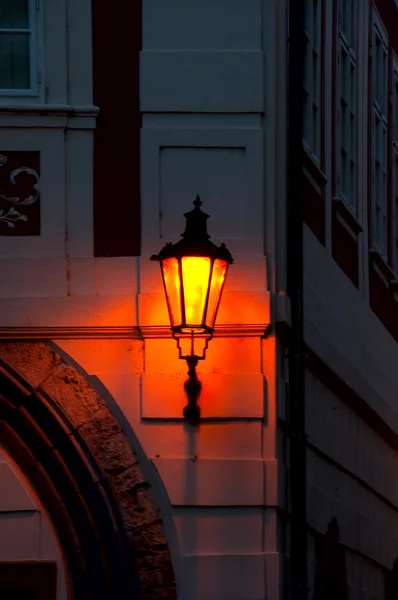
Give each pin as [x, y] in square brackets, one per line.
[189, 532]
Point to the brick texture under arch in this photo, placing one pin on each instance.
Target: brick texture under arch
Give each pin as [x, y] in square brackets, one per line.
[78, 459]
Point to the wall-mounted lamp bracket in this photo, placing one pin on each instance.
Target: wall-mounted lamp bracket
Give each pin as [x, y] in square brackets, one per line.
[192, 351]
[193, 270]
[192, 388]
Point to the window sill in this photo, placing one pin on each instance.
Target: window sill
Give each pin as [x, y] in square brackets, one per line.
[346, 217]
[345, 232]
[29, 98]
[394, 287]
[48, 116]
[313, 170]
[50, 109]
[381, 268]
[383, 292]
[394, 291]
[314, 181]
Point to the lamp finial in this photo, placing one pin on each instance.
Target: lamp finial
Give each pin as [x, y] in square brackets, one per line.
[198, 202]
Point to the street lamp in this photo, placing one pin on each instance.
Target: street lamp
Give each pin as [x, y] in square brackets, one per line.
[193, 271]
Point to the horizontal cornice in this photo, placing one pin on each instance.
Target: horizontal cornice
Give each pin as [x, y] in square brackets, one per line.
[133, 333]
[50, 109]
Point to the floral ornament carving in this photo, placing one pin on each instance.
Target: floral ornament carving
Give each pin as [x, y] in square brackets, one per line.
[11, 216]
[20, 188]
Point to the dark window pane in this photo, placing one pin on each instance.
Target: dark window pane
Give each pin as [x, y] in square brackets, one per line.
[14, 14]
[14, 61]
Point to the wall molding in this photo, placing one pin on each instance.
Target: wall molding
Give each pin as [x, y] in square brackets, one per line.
[48, 116]
[134, 333]
[61, 333]
[50, 109]
[255, 330]
[382, 424]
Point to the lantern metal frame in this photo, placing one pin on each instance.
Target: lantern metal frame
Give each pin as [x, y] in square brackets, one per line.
[196, 243]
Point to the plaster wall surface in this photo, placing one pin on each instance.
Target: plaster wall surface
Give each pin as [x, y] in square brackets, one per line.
[351, 475]
[343, 331]
[209, 126]
[351, 469]
[217, 479]
[212, 99]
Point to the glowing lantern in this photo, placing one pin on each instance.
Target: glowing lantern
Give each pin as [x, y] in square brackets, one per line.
[193, 271]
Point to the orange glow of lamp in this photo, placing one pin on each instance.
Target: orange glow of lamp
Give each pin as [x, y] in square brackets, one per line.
[194, 272]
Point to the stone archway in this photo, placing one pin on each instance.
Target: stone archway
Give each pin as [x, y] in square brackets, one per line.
[74, 452]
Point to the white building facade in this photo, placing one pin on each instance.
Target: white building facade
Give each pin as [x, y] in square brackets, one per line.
[79, 287]
[109, 128]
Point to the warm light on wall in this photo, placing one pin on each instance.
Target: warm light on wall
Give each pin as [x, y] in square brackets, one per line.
[193, 271]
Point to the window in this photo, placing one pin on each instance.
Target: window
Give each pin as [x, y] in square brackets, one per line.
[312, 79]
[348, 76]
[18, 65]
[379, 142]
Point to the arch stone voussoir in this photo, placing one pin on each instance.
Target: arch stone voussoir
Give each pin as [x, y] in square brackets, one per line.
[52, 421]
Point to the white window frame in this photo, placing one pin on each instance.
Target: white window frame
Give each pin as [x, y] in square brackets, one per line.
[380, 85]
[313, 79]
[36, 34]
[394, 103]
[348, 102]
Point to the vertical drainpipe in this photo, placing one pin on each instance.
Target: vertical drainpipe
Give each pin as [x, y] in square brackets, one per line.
[296, 394]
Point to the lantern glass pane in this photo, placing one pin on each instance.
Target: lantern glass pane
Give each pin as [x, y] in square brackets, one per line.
[195, 277]
[172, 284]
[216, 286]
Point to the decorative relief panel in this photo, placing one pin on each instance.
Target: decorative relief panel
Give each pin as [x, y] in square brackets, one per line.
[224, 166]
[19, 193]
[219, 175]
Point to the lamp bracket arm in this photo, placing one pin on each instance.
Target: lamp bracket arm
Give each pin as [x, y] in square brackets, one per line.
[192, 388]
